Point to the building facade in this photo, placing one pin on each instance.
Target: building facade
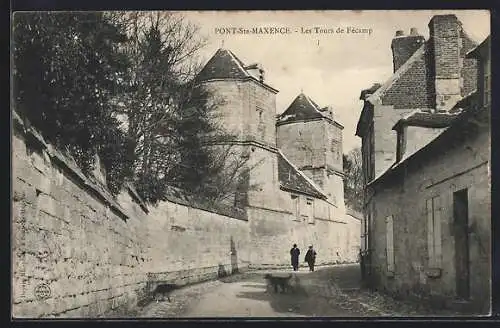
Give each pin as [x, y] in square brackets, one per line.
[426, 149]
[295, 187]
[421, 70]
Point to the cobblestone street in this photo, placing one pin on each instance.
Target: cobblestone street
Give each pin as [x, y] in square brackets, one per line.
[327, 292]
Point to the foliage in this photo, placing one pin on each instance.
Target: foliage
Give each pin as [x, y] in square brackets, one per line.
[121, 85]
[353, 181]
[159, 98]
[67, 66]
[171, 117]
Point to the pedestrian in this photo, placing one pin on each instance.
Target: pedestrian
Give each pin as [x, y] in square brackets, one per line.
[310, 258]
[294, 254]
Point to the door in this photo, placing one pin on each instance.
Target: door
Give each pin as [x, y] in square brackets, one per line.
[461, 231]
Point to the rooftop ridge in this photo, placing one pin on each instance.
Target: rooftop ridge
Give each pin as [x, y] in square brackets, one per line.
[238, 61]
[374, 97]
[302, 174]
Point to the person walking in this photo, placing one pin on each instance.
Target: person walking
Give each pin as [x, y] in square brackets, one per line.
[294, 254]
[310, 258]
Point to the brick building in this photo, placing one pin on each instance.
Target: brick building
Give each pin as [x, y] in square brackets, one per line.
[299, 195]
[425, 143]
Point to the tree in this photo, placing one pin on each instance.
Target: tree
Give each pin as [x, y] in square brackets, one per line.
[121, 84]
[67, 67]
[162, 50]
[169, 115]
[353, 181]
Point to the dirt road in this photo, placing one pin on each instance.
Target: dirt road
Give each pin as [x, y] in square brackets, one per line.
[328, 292]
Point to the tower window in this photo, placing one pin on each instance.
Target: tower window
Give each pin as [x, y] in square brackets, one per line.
[335, 149]
[261, 125]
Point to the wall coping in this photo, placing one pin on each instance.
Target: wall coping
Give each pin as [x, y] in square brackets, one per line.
[34, 137]
[66, 163]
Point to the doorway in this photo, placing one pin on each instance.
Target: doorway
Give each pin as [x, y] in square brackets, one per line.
[461, 231]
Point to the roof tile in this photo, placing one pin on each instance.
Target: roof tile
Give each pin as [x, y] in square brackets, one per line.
[292, 179]
[302, 108]
[224, 64]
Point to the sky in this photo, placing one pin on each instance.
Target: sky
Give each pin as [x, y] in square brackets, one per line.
[331, 68]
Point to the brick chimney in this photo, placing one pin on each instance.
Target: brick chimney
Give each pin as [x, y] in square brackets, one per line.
[445, 44]
[403, 46]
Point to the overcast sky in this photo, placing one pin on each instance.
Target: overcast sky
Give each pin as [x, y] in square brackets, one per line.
[330, 68]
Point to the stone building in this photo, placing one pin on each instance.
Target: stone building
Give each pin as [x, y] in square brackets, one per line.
[78, 251]
[426, 149]
[299, 195]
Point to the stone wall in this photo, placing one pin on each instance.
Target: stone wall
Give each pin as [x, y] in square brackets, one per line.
[79, 252]
[264, 180]
[385, 141]
[315, 147]
[190, 245]
[353, 243]
[334, 146]
[304, 143]
[456, 168]
[417, 137]
[272, 234]
[247, 109]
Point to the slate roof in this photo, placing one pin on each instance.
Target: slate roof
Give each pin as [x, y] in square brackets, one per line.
[292, 179]
[481, 48]
[302, 108]
[223, 64]
[459, 124]
[468, 101]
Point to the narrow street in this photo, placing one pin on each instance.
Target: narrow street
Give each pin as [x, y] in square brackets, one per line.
[327, 292]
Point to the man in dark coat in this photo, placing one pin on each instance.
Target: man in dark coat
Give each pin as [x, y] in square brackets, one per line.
[294, 253]
[310, 258]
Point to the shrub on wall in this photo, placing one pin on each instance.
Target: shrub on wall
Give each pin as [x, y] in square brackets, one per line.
[67, 66]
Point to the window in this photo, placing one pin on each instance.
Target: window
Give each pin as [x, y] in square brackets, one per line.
[310, 210]
[433, 211]
[335, 148]
[261, 126]
[389, 237]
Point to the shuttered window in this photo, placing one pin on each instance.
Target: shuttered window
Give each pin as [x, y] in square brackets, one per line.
[433, 210]
[389, 237]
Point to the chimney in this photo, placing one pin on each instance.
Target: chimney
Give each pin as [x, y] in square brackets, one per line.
[403, 46]
[445, 44]
[257, 71]
[327, 111]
